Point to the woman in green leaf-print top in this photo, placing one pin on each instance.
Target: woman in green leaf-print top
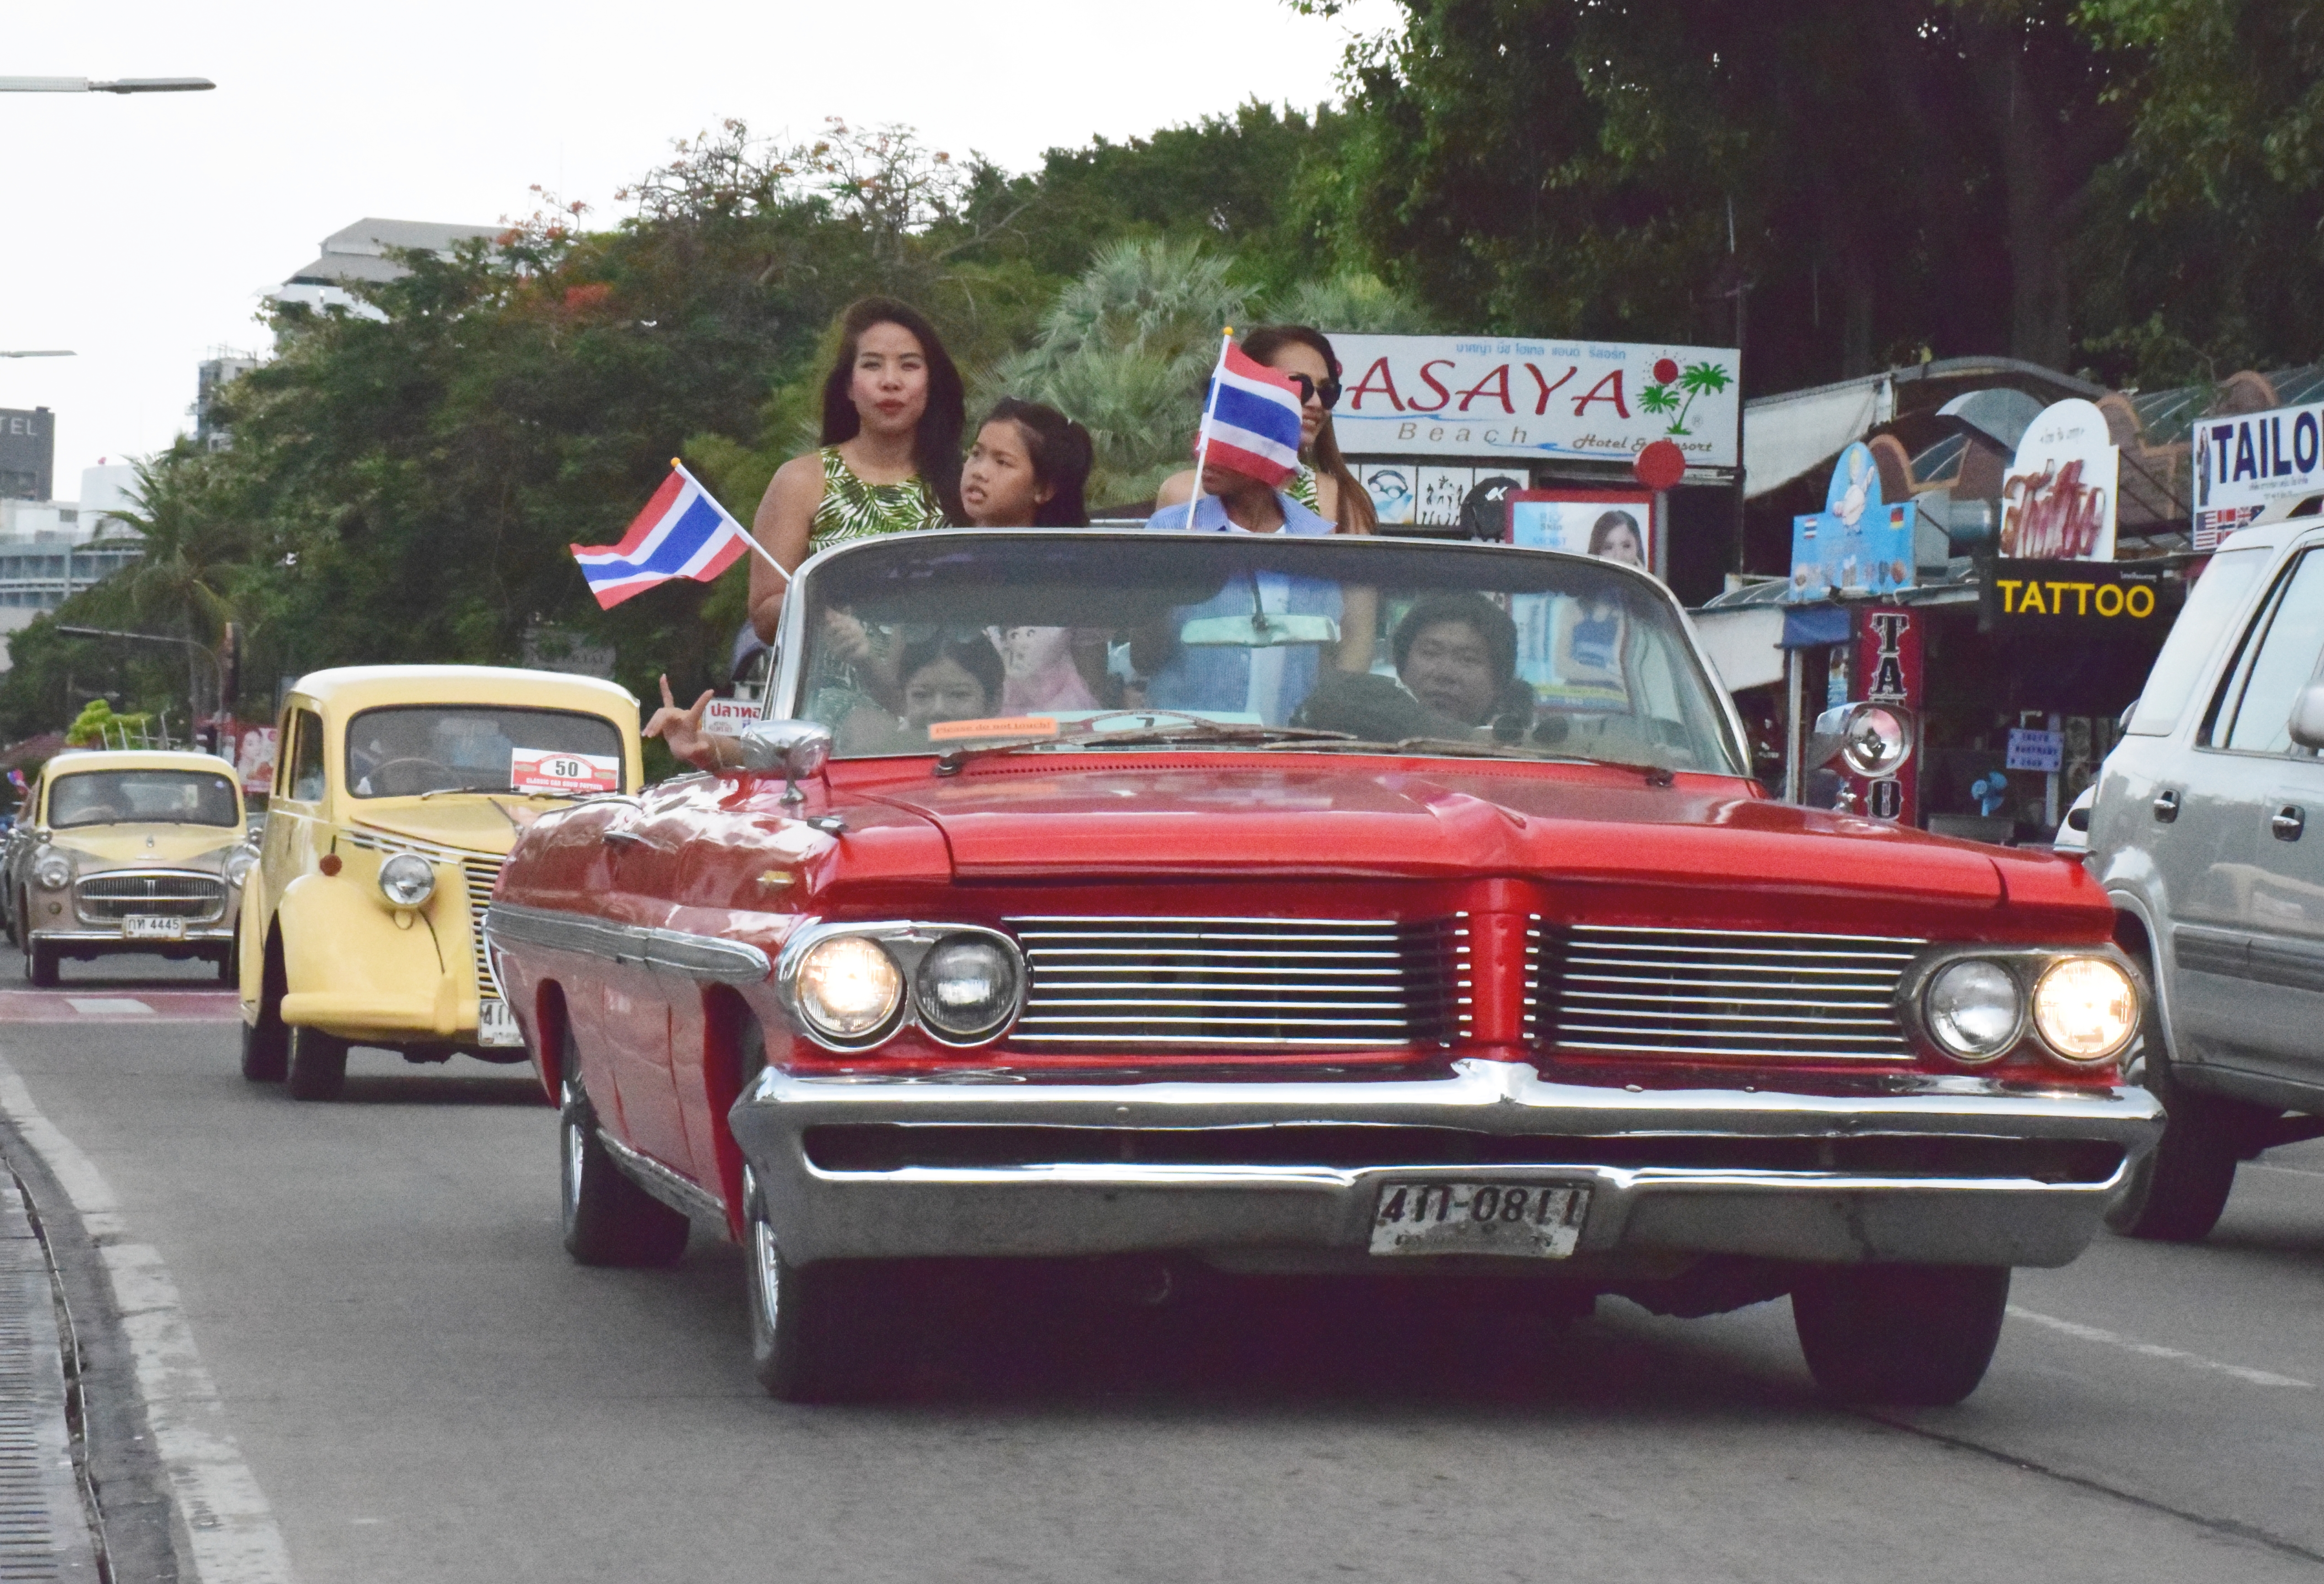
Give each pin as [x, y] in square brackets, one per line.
[893, 411]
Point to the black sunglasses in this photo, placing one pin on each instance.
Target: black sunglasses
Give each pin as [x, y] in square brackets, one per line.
[1328, 392]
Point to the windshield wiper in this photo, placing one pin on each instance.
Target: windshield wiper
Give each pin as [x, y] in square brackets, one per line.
[1464, 748]
[1195, 728]
[504, 792]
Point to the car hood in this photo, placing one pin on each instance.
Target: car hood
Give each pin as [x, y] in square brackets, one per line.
[156, 844]
[471, 821]
[1014, 820]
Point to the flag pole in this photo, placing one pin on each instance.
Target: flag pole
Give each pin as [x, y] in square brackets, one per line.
[1210, 410]
[748, 538]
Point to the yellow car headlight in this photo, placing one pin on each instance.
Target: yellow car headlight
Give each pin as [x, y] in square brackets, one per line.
[2086, 1008]
[848, 988]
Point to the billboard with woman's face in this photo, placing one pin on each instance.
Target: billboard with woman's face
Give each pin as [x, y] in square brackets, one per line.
[1615, 525]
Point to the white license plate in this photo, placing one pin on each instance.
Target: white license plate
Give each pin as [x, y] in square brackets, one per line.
[147, 927]
[496, 1025]
[1533, 1220]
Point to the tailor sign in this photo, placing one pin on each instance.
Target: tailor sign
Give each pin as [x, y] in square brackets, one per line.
[2086, 597]
[2259, 465]
[1537, 400]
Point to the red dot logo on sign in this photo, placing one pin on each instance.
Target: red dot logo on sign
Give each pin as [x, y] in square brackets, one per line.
[1666, 370]
[1659, 466]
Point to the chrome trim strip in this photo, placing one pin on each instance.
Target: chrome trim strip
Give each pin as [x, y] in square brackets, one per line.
[685, 1197]
[697, 956]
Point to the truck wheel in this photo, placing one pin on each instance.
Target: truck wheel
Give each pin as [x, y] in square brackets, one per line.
[1919, 1335]
[808, 1342]
[318, 1065]
[607, 1219]
[266, 1044]
[2179, 1192]
[40, 965]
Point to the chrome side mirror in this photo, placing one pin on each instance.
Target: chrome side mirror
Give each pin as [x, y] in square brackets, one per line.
[2307, 724]
[1867, 740]
[798, 748]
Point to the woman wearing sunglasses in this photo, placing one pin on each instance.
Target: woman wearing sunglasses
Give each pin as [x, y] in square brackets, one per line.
[1323, 485]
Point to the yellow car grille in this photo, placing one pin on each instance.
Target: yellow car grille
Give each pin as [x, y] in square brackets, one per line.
[481, 874]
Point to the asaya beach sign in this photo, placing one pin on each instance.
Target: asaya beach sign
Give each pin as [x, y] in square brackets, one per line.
[1546, 401]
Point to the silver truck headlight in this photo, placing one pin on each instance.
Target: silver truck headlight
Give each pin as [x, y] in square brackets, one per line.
[1975, 1009]
[848, 988]
[2086, 1008]
[407, 880]
[52, 873]
[966, 987]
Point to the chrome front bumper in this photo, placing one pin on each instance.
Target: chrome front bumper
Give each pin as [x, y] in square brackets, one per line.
[1250, 1213]
[83, 938]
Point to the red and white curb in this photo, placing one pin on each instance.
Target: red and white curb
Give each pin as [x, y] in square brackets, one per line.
[99, 1004]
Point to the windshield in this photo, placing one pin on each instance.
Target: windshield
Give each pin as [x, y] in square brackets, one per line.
[410, 749]
[929, 642]
[160, 797]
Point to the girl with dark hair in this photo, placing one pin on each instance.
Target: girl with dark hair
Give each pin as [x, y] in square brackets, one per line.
[1324, 484]
[893, 409]
[1029, 468]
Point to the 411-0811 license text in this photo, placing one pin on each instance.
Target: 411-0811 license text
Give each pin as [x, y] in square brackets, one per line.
[1536, 1220]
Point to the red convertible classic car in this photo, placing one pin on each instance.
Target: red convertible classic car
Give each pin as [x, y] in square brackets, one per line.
[1308, 906]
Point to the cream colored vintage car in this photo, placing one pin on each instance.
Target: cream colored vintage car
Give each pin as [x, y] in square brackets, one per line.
[398, 792]
[128, 850]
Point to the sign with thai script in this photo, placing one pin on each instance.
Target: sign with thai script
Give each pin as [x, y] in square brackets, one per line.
[2028, 595]
[2031, 749]
[2058, 500]
[728, 716]
[1543, 400]
[546, 770]
[2258, 465]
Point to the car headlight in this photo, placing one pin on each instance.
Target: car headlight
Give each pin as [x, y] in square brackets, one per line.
[967, 988]
[52, 873]
[848, 988]
[1975, 1009]
[237, 865]
[2087, 1008]
[407, 880]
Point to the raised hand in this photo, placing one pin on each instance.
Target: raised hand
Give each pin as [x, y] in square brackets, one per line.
[681, 729]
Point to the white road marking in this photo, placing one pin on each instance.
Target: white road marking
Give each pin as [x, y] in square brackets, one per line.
[2090, 1333]
[230, 1528]
[107, 1005]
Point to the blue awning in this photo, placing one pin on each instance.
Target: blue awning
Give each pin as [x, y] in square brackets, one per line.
[1815, 626]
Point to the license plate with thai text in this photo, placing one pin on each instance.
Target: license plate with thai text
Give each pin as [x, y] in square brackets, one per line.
[142, 927]
[1533, 1220]
[496, 1025]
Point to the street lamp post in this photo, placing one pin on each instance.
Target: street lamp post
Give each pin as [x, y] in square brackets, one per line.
[127, 85]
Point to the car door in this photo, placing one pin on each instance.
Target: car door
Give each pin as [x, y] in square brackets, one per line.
[633, 1001]
[2275, 1025]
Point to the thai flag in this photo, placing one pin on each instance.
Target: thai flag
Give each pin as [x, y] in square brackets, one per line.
[1251, 424]
[683, 532]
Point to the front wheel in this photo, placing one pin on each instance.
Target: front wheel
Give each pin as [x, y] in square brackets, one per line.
[1916, 1335]
[2179, 1192]
[266, 1044]
[607, 1219]
[318, 1065]
[807, 1339]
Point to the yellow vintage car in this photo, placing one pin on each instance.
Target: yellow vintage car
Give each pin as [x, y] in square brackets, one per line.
[398, 791]
[128, 850]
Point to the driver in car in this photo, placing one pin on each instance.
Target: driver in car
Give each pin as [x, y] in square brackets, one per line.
[1456, 657]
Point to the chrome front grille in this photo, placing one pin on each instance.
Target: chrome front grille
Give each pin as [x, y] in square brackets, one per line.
[107, 899]
[1722, 994]
[1258, 984]
[481, 875]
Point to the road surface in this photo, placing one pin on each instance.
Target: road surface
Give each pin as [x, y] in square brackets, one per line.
[421, 1387]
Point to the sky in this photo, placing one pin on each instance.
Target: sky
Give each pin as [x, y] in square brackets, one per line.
[143, 231]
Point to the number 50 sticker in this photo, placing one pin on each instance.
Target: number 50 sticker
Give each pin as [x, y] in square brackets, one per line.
[542, 769]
